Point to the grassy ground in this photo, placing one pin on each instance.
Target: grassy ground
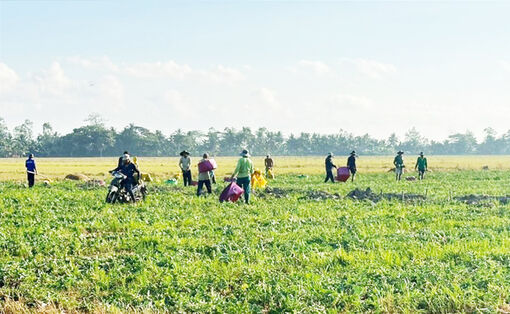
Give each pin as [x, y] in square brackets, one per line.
[164, 168]
[62, 247]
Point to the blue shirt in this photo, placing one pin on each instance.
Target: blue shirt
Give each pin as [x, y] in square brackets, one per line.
[30, 164]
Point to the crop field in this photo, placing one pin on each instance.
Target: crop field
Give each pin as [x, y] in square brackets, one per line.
[434, 246]
[164, 168]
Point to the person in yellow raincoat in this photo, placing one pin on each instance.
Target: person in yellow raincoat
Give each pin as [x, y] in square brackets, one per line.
[258, 180]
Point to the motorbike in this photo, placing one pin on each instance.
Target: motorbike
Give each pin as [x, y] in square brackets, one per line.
[117, 192]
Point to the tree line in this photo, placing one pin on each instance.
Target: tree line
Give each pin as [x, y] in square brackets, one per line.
[96, 139]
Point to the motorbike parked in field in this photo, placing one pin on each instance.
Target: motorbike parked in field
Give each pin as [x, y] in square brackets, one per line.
[118, 193]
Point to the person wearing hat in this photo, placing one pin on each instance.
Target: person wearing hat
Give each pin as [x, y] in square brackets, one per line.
[399, 165]
[204, 177]
[351, 164]
[31, 170]
[243, 172]
[421, 165]
[329, 168]
[269, 164]
[185, 165]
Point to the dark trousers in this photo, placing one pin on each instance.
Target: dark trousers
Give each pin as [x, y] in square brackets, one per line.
[201, 185]
[128, 185]
[245, 184]
[186, 177]
[31, 179]
[329, 175]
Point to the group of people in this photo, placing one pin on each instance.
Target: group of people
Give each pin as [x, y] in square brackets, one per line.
[351, 164]
[242, 173]
[421, 166]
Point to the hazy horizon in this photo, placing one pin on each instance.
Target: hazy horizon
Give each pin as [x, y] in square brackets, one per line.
[365, 67]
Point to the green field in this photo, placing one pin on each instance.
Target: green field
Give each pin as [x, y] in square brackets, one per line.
[293, 250]
[163, 168]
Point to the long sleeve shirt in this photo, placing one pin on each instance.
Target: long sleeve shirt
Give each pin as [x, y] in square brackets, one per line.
[351, 162]
[269, 163]
[398, 161]
[128, 170]
[421, 163]
[329, 164]
[244, 168]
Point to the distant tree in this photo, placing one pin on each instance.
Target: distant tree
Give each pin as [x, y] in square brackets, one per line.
[95, 139]
[413, 142]
[211, 143]
[393, 142]
[23, 139]
[5, 140]
[459, 143]
[47, 142]
[491, 144]
[95, 119]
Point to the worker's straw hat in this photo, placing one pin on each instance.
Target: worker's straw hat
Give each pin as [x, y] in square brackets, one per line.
[353, 152]
[245, 153]
[421, 153]
[400, 152]
[184, 152]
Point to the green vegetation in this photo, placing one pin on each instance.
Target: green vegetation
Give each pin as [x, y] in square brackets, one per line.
[62, 245]
[96, 139]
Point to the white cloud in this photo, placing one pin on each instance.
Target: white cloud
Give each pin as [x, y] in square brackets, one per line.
[505, 65]
[8, 78]
[109, 91]
[267, 98]
[351, 101]
[163, 70]
[223, 74]
[371, 68]
[169, 69]
[94, 63]
[51, 81]
[307, 66]
[317, 67]
[177, 104]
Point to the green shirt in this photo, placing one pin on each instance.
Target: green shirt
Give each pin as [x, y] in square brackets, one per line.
[421, 163]
[398, 161]
[244, 168]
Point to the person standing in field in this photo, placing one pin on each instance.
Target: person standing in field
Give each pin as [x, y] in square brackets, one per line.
[269, 164]
[399, 165]
[31, 170]
[185, 165]
[421, 165]
[329, 168]
[243, 172]
[204, 178]
[351, 164]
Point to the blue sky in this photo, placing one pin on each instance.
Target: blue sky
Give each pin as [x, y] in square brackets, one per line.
[365, 67]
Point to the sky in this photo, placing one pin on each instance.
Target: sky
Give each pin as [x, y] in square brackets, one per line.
[371, 67]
